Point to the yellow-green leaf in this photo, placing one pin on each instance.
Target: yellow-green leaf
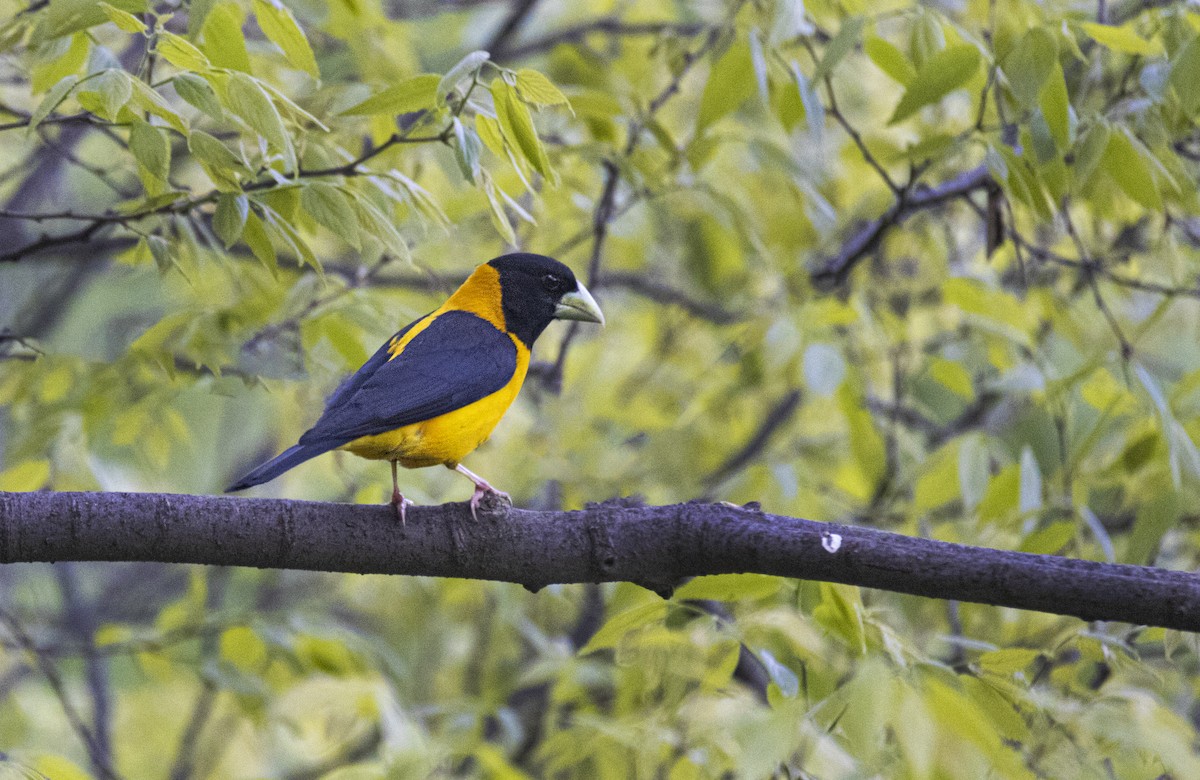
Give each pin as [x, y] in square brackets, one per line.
[617, 626]
[224, 42]
[535, 88]
[890, 60]
[150, 147]
[181, 53]
[1123, 39]
[123, 19]
[730, 587]
[280, 27]
[944, 72]
[411, 94]
[517, 124]
[1126, 162]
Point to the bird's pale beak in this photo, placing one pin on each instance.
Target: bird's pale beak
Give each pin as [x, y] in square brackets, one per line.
[578, 305]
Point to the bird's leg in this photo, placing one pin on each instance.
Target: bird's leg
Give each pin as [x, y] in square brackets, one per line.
[399, 502]
[482, 488]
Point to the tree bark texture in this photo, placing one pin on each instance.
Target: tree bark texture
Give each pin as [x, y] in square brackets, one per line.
[655, 546]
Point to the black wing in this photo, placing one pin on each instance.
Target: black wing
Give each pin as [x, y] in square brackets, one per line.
[457, 360]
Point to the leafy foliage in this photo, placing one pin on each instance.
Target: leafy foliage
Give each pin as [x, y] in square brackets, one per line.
[929, 267]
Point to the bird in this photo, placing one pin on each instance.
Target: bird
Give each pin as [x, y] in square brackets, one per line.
[437, 388]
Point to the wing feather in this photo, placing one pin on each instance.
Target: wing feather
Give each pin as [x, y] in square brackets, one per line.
[457, 360]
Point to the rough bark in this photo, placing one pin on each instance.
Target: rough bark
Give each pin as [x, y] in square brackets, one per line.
[656, 546]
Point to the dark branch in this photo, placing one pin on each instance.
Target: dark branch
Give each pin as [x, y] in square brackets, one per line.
[834, 270]
[656, 546]
[610, 26]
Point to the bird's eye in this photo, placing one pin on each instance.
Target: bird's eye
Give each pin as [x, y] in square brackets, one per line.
[553, 283]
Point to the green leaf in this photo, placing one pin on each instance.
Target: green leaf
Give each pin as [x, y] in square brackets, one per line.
[617, 626]
[730, 83]
[123, 19]
[161, 251]
[199, 93]
[1049, 540]
[535, 88]
[181, 53]
[1185, 76]
[1125, 161]
[373, 223]
[490, 133]
[280, 27]
[954, 377]
[250, 101]
[224, 42]
[61, 58]
[729, 587]
[517, 124]
[1030, 64]
[331, 207]
[496, 210]
[1008, 661]
[945, 71]
[467, 66]
[230, 217]
[814, 109]
[890, 60]
[106, 93]
[57, 94]
[467, 148]
[255, 236]
[221, 164]
[1055, 103]
[784, 678]
[412, 94]
[151, 101]
[839, 46]
[1123, 39]
[151, 148]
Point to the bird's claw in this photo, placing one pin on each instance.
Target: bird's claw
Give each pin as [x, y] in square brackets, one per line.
[482, 491]
[400, 506]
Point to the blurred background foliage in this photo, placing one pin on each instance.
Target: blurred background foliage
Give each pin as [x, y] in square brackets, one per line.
[926, 266]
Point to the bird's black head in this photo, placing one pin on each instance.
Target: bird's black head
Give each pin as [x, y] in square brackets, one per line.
[536, 289]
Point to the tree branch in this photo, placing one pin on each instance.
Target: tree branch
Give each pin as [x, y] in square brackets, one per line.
[655, 546]
[834, 270]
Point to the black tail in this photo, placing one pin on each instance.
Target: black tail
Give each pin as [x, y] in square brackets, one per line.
[292, 456]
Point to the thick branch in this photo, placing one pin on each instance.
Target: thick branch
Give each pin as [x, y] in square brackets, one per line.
[656, 546]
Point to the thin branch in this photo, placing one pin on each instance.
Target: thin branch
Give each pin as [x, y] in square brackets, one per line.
[497, 45]
[187, 205]
[655, 546]
[54, 679]
[775, 419]
[81, 623]
[1089, 274]
[609, 25]
[834, 270]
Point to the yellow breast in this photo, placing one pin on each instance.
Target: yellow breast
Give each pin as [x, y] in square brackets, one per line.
[447, 438]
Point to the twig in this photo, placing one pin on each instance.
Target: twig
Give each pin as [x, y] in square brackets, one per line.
[50, 672]
[512, 23]
[779, 415]
[611, 26]
[834, 270]
[81, 623]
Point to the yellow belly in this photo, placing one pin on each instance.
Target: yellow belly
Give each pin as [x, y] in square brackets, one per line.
[448, 438]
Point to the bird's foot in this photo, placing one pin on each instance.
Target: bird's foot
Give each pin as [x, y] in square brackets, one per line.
[485, 491]
[400, 506]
